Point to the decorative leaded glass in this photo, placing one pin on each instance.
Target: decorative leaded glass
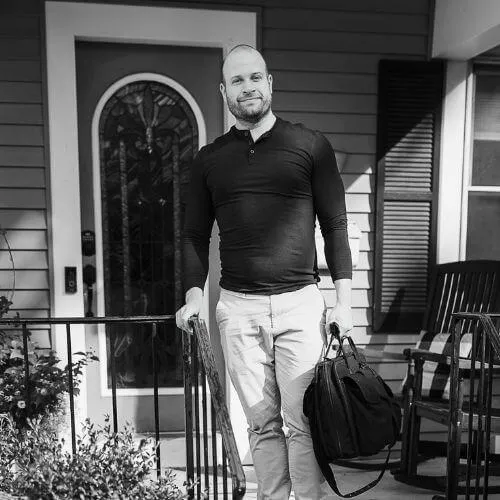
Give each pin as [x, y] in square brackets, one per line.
[148, 137]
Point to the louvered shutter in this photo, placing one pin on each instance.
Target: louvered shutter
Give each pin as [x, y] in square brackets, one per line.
[409, 114]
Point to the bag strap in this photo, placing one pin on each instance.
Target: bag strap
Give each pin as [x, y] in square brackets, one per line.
[335, 335]
[320, 458]
[354, 362]
[330, 477]
[332, 338]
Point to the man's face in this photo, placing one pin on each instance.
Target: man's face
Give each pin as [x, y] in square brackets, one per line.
[247, 87]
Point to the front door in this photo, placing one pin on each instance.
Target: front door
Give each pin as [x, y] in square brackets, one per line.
[143, 112]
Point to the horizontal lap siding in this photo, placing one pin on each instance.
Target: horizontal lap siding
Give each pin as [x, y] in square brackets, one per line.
[23, 207]
[324, 60]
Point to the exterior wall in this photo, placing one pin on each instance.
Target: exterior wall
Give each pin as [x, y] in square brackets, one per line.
[325, 66]
[23, 207]
[464, 29]
[324, 62]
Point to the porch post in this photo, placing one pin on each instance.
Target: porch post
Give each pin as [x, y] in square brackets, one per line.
[452, 162]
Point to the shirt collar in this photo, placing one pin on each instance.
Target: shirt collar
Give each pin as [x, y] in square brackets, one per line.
[244, 134]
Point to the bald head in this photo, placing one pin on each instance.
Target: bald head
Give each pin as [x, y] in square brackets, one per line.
[246, 85]
[242, 53]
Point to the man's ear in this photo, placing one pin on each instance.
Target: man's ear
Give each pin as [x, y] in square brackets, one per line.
[223, 91]
[270, 80]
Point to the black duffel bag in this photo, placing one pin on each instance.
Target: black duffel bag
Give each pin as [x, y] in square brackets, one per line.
[351, 410]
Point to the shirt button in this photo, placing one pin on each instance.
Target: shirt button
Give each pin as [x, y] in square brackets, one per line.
[252, 151]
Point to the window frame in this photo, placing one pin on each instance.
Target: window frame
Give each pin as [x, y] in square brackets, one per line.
[467, 186]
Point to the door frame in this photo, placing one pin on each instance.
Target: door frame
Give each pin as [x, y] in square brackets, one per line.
[66, 23]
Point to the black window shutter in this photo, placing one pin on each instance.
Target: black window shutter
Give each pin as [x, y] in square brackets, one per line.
[410, 98]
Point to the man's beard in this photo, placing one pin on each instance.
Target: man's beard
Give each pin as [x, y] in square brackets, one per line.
[250, 115]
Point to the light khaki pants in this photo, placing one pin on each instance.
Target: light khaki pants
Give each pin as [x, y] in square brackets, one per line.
[271, 345]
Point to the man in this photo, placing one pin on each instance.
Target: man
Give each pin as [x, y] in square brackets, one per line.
[265, 181]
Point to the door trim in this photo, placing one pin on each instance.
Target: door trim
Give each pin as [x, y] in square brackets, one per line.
[96, 174]
[64, 24]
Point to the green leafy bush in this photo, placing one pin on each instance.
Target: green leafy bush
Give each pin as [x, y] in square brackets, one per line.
[35, 463]
[47, 382]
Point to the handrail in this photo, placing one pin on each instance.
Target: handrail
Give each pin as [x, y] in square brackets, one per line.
[86, 320]
[218, 400]
[487, 324]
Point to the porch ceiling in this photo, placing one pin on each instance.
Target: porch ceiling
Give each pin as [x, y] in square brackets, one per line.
[464, 29]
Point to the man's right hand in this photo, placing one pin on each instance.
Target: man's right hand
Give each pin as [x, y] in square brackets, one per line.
[192, 307]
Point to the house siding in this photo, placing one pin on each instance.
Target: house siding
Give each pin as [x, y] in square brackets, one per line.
[324, 60]
[23, 171]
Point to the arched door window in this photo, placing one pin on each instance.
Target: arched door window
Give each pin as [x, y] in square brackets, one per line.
[148, 136]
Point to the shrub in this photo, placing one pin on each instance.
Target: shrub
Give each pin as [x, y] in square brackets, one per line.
[107, 465]
[47, 381]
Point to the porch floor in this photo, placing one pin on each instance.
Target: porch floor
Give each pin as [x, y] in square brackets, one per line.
[348, 479]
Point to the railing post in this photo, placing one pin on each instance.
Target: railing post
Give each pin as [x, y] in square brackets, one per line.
[188, 411]
[204, 408]
[26, 368]
[155, 397]
[213, 419]
[71, 387]
[196, 370]
[112, 347]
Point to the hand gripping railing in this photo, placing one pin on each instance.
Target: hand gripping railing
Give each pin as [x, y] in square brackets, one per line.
[476, 414]
[219, 412]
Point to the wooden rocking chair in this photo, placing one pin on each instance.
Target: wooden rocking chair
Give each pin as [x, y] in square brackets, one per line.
[467, 287]
[470, 411]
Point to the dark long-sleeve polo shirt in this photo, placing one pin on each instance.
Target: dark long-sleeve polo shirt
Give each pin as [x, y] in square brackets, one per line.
[265, 196]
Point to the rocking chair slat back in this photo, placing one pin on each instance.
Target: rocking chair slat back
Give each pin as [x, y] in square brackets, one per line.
[462, 286]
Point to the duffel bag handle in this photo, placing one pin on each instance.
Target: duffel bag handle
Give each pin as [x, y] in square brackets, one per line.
[335, 334]
[354, 349]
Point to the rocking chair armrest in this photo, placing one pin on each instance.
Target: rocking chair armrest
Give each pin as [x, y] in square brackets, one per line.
[423, 354]
[378, 355]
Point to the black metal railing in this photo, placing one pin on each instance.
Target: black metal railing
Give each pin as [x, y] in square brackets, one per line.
[200, 343]
[473, 410]
[212, 459]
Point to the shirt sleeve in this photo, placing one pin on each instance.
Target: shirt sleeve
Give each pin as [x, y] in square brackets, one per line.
[198, 222]
[330, 208]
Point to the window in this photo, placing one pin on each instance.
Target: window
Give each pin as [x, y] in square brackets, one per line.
[148, 136]
[481, 217]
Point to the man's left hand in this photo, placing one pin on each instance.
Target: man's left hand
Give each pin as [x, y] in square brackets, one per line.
[342, 315]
